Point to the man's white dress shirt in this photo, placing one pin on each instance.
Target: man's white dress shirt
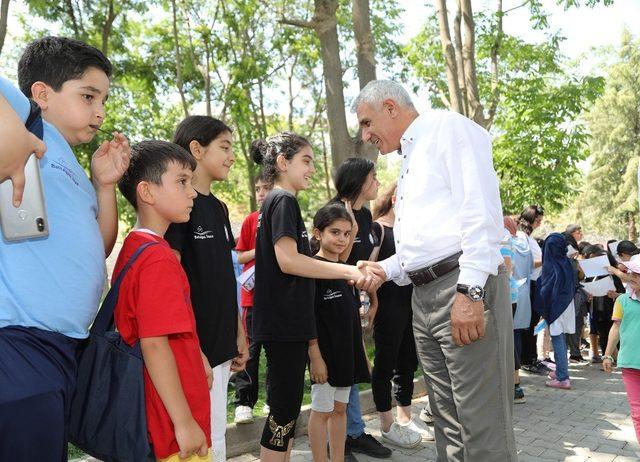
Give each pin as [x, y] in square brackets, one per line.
[447, 199]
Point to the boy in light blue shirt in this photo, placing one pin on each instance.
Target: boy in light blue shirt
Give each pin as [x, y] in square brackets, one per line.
[50, 288]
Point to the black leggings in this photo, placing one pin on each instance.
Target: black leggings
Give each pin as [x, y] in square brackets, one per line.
[395, 357]
[529, 351]
[247, 381]
[286, 365]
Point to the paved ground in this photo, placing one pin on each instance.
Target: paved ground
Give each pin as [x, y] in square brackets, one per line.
[589, 423]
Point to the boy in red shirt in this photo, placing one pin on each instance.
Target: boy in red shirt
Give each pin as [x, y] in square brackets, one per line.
[247, 380]
[154, 306]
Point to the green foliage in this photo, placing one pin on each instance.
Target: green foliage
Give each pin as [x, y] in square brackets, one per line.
[610, 191]
[538, 137]
[541, 142]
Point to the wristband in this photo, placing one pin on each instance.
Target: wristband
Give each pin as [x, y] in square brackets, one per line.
[609, 357]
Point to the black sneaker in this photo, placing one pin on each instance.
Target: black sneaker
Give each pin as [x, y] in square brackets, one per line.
[349, 457]
[577, 359]
[367, 445]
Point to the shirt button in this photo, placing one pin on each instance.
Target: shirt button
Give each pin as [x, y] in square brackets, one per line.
[402, 264]
[398, 241]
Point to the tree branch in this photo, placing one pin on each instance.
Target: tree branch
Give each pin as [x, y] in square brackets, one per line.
[298, 23]
[525, 3]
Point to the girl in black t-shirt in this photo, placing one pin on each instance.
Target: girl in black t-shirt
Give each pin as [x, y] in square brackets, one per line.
[395, 355]
[356, 184]
[284, 287]
[338, 359]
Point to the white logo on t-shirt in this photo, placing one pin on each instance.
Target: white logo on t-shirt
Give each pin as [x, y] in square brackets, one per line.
[331, 294]
[200, 233]
[304, 235]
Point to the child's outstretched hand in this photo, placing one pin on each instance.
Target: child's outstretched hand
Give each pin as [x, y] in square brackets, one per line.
[191, 439]
[607, 365]
[111, 160]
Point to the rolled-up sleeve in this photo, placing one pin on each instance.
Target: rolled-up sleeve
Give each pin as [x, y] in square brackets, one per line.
[474, 184]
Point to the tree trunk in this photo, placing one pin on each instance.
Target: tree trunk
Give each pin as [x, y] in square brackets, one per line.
[207, 75]
[365, 45]
[176, 49]
[366, 52]
[455, 98]
[325, 25]
[631, 224]
[4, 13]
[476, 111]
[107, 26]
[457, 33]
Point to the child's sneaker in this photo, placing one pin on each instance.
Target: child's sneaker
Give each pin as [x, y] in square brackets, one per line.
[425, 414]
[401, 436]
[518, 395]
[244, 415]
[420, 427]
[561, 384]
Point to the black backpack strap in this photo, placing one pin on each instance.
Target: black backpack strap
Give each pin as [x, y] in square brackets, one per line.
[34, 121]
[104, 319]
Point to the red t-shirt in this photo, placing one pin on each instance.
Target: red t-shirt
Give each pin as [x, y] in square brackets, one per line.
[155, 301]
[247, 241]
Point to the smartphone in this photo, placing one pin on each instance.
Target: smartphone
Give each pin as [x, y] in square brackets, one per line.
[29, 220]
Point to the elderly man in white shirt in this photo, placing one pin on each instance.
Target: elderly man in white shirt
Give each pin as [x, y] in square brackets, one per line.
[448, 230]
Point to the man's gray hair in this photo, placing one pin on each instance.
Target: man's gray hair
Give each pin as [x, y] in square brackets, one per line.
[376, 91]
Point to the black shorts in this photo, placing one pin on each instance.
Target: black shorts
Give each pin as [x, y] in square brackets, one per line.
[286, 365]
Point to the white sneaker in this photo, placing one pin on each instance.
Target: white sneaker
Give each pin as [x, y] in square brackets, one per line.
[266, 409]
[421, 428]
[402, 436]
[244, 415]
[425, 414]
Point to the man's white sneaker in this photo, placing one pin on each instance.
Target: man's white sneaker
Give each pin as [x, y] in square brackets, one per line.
[402, 436]
[421, 428]
[244, 415]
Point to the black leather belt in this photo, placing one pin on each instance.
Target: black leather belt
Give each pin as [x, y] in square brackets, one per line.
[435, 271]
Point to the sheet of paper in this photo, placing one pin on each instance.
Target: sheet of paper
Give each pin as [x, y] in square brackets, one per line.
[613, 247]
[600, 287]
[247, 279]
[595, 266]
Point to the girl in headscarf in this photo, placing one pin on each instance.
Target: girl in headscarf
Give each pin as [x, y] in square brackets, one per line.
[554, 302]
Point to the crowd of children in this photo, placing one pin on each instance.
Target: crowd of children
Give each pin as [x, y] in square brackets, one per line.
[179, 301]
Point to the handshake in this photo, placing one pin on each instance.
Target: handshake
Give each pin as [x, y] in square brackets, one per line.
[368, 276]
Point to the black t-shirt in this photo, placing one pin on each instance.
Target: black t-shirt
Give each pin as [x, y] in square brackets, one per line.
[282, 303]
[339, 332]
[365, 240]
[391, 295]
[205, 244]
